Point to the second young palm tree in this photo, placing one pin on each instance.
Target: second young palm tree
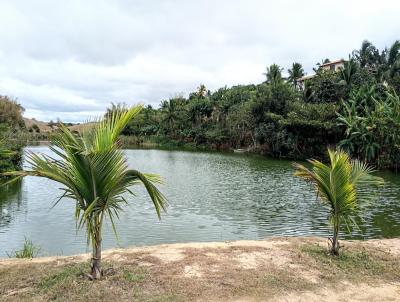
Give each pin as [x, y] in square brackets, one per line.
[94, 173]
[340, 185]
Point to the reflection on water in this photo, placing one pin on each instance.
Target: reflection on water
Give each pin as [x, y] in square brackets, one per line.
[10, 202]
[212, 197]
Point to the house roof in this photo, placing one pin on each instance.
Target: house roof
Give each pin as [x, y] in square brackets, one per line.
[306, 77]
[333, 63]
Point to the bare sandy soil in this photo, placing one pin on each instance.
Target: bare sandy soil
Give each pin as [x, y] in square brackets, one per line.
[278, 269]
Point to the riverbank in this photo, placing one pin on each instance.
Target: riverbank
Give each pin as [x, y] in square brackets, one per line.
[278, 269]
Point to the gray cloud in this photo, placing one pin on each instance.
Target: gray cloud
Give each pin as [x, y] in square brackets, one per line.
[71, 59]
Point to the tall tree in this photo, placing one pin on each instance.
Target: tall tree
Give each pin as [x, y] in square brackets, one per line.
[202, 91]
[274, 74]
[295, 73]
[367, 55]
[170, 113]
[94, 172]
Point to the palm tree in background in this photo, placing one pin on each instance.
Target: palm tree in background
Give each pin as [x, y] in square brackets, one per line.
[94, 172]
[367, 55]
[170, 112]
[340, 185]
[347, 74]
[295, 73]
[392, 61]
[201, 91]
[274, 74]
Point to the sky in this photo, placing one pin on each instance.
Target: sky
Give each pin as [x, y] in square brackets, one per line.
[71, 59]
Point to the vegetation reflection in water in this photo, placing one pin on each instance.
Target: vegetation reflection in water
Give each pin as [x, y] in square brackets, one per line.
[213, 197]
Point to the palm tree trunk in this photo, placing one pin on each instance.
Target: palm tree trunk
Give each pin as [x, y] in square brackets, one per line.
[96, 258]
[335, 238]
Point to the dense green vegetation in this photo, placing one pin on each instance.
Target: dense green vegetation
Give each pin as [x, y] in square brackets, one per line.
[94, 173]
[12, 130]
[356, 108]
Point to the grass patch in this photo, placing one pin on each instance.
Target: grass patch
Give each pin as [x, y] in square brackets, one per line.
[138, 275]
[29, 250]
[284, 281]
[355, 262]
[67, 274]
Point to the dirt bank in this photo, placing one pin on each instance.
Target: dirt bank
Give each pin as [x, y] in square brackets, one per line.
[278, 269]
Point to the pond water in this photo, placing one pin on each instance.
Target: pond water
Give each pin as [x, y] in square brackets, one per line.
[212, 197]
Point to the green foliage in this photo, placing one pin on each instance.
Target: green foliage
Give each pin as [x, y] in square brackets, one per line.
[341, 185]
[355, 262]
[274, 74]
[60, 278]
[282, 118]
[347, 74]
[29, 250]
[11, 113]
[137, 276]
[372, 124]
[12, 129]
[327, 87]
[95, 174]
[295, 73]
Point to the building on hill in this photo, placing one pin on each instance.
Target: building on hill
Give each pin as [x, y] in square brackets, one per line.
[334, 66]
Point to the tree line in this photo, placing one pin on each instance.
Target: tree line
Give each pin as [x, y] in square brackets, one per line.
[356, 107]
[12, 130]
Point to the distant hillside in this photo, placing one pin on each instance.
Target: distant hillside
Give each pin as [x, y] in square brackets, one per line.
[43, 126]
[80, 127]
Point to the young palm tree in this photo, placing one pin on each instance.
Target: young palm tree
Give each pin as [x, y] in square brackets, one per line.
[340, 185]
[93, 171]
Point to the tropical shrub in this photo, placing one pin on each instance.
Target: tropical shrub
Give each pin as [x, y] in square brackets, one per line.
[372, 126]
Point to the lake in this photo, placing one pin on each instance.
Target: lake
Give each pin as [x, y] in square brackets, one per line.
[212, 197]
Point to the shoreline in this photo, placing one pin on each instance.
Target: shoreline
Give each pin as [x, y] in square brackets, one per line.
[274, 269]
[392, 244]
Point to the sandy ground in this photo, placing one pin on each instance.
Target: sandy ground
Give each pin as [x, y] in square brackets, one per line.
[268, 270]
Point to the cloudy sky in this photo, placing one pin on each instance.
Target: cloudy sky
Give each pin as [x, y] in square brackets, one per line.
[71, 59]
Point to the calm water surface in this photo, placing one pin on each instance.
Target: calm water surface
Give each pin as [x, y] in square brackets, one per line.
[213, 197]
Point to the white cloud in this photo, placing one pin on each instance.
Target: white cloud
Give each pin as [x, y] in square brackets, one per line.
[71, 59]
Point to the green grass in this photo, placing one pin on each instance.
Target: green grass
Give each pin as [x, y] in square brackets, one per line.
[29, 250]
[355, 262]
[138, 275]
[68, 273]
